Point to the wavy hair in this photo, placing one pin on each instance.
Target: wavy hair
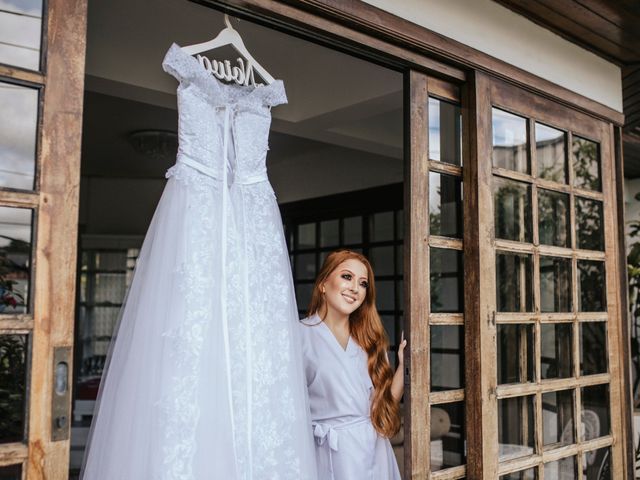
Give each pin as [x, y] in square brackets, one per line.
[366, 329]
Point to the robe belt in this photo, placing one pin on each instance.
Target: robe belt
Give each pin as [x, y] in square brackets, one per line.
[327, 434]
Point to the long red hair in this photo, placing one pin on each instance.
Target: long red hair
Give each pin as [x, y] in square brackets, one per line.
[366, 329]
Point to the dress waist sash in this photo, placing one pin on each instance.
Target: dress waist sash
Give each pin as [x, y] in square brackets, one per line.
[210, 172]
[327, 434]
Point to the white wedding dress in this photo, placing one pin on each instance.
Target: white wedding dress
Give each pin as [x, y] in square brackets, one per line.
[204, 378]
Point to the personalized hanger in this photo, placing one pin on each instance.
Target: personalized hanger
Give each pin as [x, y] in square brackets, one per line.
[242, 73]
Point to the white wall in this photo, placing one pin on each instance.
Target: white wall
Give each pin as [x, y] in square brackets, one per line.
[501, 33]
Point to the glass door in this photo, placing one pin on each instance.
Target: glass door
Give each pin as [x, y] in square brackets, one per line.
[41, 89]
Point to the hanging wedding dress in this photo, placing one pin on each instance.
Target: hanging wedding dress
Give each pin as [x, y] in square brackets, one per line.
[204, 378]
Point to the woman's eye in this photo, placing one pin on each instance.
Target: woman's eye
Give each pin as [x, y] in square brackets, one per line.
[346, 276]
[364, 285]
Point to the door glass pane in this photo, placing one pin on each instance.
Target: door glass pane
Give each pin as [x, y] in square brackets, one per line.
[303, 295]
[96, 326]
[13, 387]
[381, 227]
[512, 201]
[555, 284]
[589, 232]
[551, 154]
[553, 218]
[515, 353]
[591, 286]
[18, 128]
[11, 472]
[385, 294]
[564, 469]
[306, 266]
[20, 33]
[382, 260]
[596, 465]
[445, 205]
[556, 348]
[586, 164]
[595, 412]
[446, 280]
[530, 474]
[110, 287]
[307, 235]
[352, 230]
[516, 425]
[514, 282]
[329, 233]
[593, 348]
[509, 141]
[400, 224]
[445, 132]
[15, 259]
[447, 357]
[447, 435]
[557, 418]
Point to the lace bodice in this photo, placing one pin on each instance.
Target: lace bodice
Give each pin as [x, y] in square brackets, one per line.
[208, 107]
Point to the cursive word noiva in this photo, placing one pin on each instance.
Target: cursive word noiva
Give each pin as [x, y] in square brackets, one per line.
[242, 74]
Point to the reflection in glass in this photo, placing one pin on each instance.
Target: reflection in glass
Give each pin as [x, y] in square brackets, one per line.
[445, 132]
[18, 128]
[593, 348]
[589, 234]
[307, 235]
[515, 353]
[15, 259]
[447, 357]
[352, 230]
[512, 202]
[13, 387]
[586, 164]
[591, 286]
[595, 412]
[550, 154]
[447, 436]
[381, 227]
[530, 474]
[555, 284]
[596, 465]
[510, 141]
[514, 282]
[96, 327]
[329, 233]
[446, 280]
[553, 218]
[564, 469]
[556, 341]
[303, 295]
[516, 425]
[445, 205]
[109, 287]
[385, 294]
[306, 266]
[382, 260]
[11, 472]
[557, 418]
[20, 33]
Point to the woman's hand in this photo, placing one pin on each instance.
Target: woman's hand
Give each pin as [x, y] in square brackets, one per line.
[397, 384]
[403, 343]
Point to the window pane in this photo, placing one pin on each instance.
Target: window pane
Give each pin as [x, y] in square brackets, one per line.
[303, 295]
[589, 232]
[564, 469]
[385, 294]
[445, 132]
[11, 472]
[20, 33]
[591, 286]
[13, 387]
[553, 218]
[556, 341]
[447, 436]
[109, 287]
[557, 418]
[329, 233]
[515, 353]
[586, 164]
[381, 227]
[514, 282]
[595, 412]
[596, 465]
[516, 425]
[382, 260]
[306, 266]
[307, 235]
[15, 259]
[352, 230]
[445, 205]
[18, 128]
[400, 224]
[510, 141]
[551, 154]
[530, 474]
[389, 324]
[447, 357]
[555, 284]
[593, 348]
[446, 280]
[512, 210]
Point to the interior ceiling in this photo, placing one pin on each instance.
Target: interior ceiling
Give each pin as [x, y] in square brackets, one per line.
[334, 99]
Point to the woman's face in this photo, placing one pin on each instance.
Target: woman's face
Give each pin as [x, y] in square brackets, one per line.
[345, 288]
